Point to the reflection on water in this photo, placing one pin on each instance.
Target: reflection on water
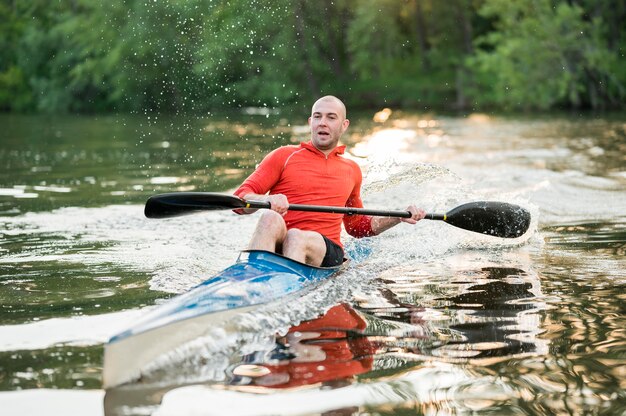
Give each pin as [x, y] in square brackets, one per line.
[429, 320]
[488, 318]
[331, 348]
[94, 161]
[493, 314]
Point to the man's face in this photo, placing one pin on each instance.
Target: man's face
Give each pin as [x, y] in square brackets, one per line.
[327, 123]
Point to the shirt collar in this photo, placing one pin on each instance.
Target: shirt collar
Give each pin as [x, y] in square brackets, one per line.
[339, 150]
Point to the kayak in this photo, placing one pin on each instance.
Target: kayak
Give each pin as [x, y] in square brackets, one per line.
[258, 277]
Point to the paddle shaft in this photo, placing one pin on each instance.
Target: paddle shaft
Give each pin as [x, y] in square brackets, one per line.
[498, 219]
[342, 210]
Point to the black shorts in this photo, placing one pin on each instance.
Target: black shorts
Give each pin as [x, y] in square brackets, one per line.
[334, 254]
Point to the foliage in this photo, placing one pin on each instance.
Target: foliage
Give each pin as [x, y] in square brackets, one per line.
[374, 39]
[545, 55]
[243, 53]
[199, 55]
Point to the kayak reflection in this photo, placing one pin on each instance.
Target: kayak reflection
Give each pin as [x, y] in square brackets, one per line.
[482, 316]
[492, 315]
[487, 313]
[330, 348]
[503, 317]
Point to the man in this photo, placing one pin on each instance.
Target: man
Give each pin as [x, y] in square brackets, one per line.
[312, 173]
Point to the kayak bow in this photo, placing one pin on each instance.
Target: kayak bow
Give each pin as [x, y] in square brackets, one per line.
[257, 277]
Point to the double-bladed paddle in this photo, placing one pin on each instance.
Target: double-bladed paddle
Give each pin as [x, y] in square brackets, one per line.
[498, 219]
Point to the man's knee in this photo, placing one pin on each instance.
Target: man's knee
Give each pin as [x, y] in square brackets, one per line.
[304, 240]
[273, 222]
[305, 246]
[295, 238]
[271, 218]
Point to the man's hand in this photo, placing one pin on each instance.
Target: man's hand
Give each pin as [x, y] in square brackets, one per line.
[416, 215]
[278, 202]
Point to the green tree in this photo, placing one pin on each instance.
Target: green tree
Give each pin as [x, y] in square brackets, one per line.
[543, 55]
[245, 55]
[15, 93]
[374, 40]
[196, 55]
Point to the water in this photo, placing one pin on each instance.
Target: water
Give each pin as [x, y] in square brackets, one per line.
[434, 320]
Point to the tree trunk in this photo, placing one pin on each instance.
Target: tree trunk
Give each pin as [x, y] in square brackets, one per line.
[422, 35]
[466, 27]
[304, 49]
[335, 58]
[467, 48]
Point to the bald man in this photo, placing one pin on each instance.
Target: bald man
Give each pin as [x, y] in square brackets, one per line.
[313, 173]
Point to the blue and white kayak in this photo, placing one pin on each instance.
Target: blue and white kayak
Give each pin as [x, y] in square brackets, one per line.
[258, 277]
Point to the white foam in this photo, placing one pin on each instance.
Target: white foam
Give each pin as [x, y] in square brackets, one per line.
[82, 330]
[51, 402]
[420, 386]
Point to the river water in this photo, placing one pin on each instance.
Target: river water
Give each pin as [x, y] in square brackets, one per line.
[427, 319]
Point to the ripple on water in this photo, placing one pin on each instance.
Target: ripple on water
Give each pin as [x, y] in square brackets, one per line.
[442, 320]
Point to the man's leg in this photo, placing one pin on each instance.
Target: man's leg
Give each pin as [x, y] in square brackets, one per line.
[304, 246]
[270, 232]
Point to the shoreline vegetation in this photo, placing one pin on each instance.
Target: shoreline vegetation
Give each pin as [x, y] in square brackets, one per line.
[198, 56]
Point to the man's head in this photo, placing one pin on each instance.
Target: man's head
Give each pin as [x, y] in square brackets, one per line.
[328, 122]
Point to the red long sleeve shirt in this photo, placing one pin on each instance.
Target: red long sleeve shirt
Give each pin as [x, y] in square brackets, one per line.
[305, 175]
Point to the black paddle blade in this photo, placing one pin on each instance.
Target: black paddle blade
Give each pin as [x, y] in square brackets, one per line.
[183, 203]
[498, 219]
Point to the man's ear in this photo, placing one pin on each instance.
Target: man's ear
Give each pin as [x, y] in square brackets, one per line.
[345, 124]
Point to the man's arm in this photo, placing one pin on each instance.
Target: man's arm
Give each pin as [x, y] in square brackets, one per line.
[381, 224]
[366, 226]
[261, 181]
